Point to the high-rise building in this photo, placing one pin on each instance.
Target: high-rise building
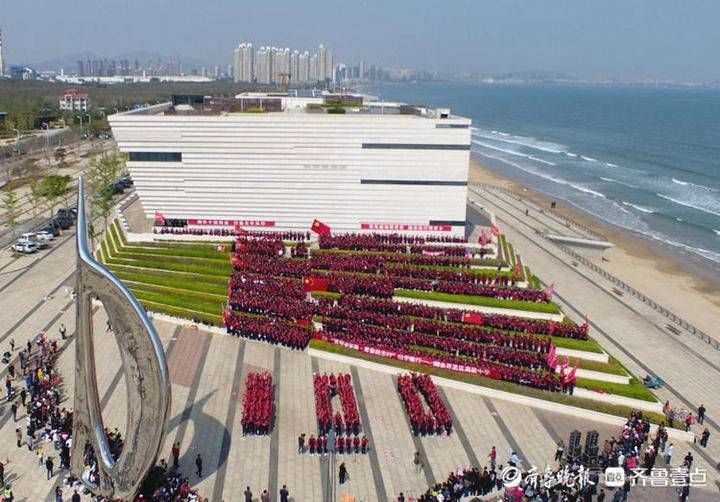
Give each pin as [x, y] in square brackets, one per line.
[294, 66]
[281, 63]
[303, 68]
[313, 68]
[244, 63]
[264, 65]
[2, 61]
[321, 71]
[81, 68]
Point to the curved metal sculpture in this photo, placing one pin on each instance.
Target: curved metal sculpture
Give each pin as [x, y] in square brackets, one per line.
[146, 376]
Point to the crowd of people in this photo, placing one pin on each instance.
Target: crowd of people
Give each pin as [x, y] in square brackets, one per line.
[325, 387]
[435, 421]
[462, 483]
[258, 402]
[272, 331]
[231, 232]
[319, 445]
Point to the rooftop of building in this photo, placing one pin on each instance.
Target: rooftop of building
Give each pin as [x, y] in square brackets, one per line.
[307, 102]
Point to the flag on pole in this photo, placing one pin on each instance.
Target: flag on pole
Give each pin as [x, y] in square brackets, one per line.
[551, 331]
[494, 229]
[552, 358]
[483, 238]
[518, 270]
[319, 227]
[159, 219]
[549, 291]
[563, 366]
[570, 377]
[314, 284]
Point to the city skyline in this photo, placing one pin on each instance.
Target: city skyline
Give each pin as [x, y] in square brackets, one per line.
[644, 40]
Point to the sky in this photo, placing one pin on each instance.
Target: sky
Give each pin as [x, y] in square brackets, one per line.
[593, 39]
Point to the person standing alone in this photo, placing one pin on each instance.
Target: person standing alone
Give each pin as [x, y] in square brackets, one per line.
[198, 464]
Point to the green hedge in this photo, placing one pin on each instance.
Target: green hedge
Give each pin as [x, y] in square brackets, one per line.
[484, 301]
[635, 389]
[210, 254]
[185, 245]
[449, 268]
[208, 307]
[187, 294]
[164, 274]
[173, 267]
[589, 345]
[589, 404]
[173, 281]
[212, 319]
[221, 262]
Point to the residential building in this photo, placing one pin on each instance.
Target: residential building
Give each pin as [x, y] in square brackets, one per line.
[74, 101]
[244, 63]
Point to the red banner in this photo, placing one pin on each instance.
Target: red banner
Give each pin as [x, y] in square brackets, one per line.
[405, 227]
[320, 228]
[231, 223]
[425, 360]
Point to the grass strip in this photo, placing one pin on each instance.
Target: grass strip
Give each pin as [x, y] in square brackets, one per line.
[485, 301]
[220, 261]
[588, 404]
[210, 254]
[207, 307]
[162, 308]
[188, 294]
[174, 267]
[148, 273]
[179, 282]
[450, 268]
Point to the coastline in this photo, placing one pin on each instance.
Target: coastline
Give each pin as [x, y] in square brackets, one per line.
[679, 285]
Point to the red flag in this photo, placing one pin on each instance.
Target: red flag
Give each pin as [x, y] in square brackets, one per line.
[549, 291]
[494, 229]
[472, 317]
[235, 260]
[552, 358]
[240, 230]
[483, 238]
[570, 377]
[518, 270]
[563, 366]
[551, 331]
[319, 227]
[314, 284]
[159, 218]
[303, 322]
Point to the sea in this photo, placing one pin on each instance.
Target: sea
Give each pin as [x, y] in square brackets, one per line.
[644, 159]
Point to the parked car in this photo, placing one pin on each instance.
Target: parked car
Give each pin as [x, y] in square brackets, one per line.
[67, 213]
[25, 247]
[52, 228]
[63, 221]
[127, 180]
[45, 235]
[40, 241]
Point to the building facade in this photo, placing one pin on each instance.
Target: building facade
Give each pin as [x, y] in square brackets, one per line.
[374, 169]
[244, 59]
[74, 101]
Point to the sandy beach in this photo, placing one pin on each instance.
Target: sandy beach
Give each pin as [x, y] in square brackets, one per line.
[679, 286]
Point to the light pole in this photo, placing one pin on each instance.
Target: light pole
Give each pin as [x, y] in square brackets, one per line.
[81, 123]
[46, 126]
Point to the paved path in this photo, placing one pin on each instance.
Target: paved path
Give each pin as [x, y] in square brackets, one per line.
[627, 328]
[207, 374]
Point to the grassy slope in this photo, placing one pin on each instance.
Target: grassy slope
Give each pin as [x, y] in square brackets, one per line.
[484, 301]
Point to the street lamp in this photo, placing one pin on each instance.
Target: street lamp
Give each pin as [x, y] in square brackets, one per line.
[46, 126]
[81, 123]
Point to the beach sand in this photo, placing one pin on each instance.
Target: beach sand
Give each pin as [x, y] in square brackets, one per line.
[681, 287]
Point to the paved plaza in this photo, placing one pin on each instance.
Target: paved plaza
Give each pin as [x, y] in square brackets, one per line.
[208, 371]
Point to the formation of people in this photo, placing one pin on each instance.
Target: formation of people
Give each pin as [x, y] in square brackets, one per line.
[258, 402]
[433, 418]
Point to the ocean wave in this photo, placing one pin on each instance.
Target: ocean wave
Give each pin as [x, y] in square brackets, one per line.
[639, 208]
[613, 180]
[610, 164]
[689, 204]
[588, 159]
[570, 154]
[695, 185]
[542, 161]
[535, 144]
[717, 232]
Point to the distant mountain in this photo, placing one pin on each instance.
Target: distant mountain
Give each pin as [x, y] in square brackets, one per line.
[535, 75]
[69, 61]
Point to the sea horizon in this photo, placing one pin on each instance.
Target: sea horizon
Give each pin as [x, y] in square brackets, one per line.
[641, 159]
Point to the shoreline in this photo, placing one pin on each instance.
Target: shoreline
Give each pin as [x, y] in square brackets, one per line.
[680, 285]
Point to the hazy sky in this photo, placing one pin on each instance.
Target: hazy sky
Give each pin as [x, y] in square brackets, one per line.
[674, 39]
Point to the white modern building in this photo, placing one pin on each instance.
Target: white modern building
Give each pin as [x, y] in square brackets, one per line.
[377, 167]
[74, 101]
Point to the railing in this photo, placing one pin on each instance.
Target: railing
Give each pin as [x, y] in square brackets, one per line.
[619, 283]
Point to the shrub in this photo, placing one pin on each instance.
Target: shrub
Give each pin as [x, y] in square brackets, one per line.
[484, 301]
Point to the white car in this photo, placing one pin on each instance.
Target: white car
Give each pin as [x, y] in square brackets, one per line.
[44, 235]
[25, 247]
[40, 241]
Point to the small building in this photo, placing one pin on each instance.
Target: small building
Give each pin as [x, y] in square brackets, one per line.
[74, 101]
[3, 115]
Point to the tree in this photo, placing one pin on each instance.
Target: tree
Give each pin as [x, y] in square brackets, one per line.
[36, 196]
[52, 188]
[9, 204]
[103, 173]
